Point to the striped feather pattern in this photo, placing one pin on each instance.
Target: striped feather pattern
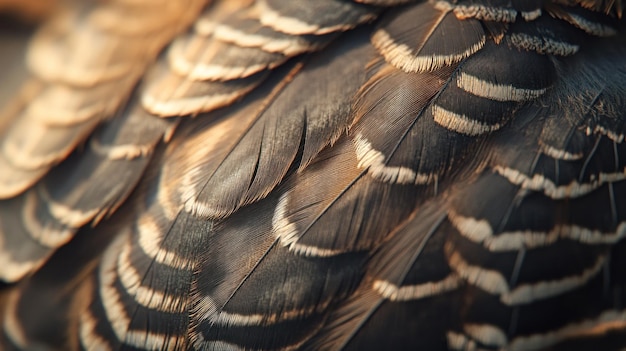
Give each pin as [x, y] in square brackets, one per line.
[330, 175]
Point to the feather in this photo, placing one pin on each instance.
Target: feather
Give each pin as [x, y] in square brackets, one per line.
[507, 253]
[300, 17]
[30, 149]
[546, 36]
[114, 154]
[335, 200]
[494, 10]
[307, 221]
[610, 7]
[307, 126]
[29, 10]
[592, 23]
[171, 95]
[205, 55]
[57, 289]
[198, 60]
[424, 46]
[348, 326]
[404, 97]
[228, 297]
[202, 73]
[245, 30]
[59, 206]
[21, 251]
[69, 60]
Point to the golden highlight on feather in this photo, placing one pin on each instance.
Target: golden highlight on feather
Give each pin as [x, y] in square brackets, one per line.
[179, 104]
[12, 268]
[120, 152]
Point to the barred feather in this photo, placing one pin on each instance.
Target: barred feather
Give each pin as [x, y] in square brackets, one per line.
[338, 174]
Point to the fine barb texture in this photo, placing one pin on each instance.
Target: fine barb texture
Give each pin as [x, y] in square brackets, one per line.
[312, 175]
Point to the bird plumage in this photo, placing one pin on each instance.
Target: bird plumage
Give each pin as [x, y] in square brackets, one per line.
[272, 174]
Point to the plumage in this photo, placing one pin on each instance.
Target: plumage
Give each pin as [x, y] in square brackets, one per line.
[297, 175]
